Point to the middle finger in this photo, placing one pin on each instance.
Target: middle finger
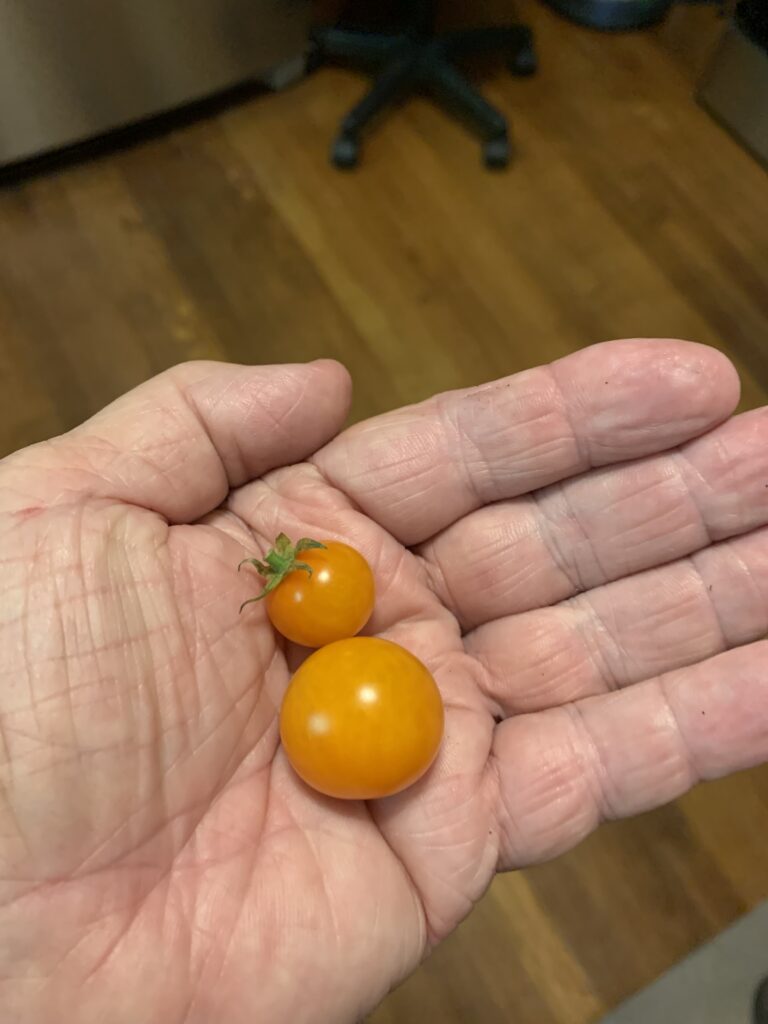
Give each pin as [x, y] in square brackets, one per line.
[535, 551]
[627, 631]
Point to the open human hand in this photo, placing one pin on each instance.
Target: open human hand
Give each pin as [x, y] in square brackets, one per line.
[575, 552]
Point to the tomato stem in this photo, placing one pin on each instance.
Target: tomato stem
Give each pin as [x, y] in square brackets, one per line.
[278, 562]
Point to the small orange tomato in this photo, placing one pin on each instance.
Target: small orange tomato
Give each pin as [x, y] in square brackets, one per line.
[316, 593]
[361, 719]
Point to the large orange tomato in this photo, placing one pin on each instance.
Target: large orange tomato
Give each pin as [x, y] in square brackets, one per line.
[316, 592]
[361, 719]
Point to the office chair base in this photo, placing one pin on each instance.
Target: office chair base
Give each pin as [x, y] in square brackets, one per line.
[421, 60]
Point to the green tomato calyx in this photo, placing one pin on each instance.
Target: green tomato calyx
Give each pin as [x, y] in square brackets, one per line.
[278, 562]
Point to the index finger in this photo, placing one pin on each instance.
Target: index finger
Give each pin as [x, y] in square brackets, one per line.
[419, 469]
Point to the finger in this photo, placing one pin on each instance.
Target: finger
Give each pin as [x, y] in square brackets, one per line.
[179, 442]
[627, 631]
[538, 550]
[419, 469]
[562, 772]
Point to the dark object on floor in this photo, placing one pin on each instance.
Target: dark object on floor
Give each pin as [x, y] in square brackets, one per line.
[751, 16]
[416, 57]
[612, 14]
[760, 1015]
[734, 87]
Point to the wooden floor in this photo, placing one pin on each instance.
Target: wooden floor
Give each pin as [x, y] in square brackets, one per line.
[628, 212]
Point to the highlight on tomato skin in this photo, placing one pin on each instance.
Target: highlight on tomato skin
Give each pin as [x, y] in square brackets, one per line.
[362, 719]
[316, 592]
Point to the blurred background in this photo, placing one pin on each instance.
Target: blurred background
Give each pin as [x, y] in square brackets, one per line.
[635, 204]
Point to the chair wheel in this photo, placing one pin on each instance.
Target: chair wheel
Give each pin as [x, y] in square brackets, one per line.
[345, 152]
[524, 62]
[496, 152]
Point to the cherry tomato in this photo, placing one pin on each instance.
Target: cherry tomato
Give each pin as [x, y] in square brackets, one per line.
[316, 592]
[362, 718]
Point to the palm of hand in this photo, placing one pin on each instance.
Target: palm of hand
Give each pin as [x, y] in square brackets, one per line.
[184, 872]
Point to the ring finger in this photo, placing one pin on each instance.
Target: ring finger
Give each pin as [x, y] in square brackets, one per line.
[627, 631]
[535, 551]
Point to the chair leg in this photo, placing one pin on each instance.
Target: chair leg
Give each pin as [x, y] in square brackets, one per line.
[396, 78]
[343, 44]
[507, 39]
[455, 91]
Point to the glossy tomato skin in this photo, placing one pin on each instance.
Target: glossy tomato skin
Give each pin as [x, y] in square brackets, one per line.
[361, 719]
[334, 603]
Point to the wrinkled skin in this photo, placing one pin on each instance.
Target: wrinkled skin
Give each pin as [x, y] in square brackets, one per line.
[577, 552]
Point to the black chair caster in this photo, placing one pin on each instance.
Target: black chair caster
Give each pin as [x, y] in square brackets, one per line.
[496, 153]
[345, 152]
[524, 62]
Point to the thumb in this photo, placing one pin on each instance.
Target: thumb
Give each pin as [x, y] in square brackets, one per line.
[179, 442]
